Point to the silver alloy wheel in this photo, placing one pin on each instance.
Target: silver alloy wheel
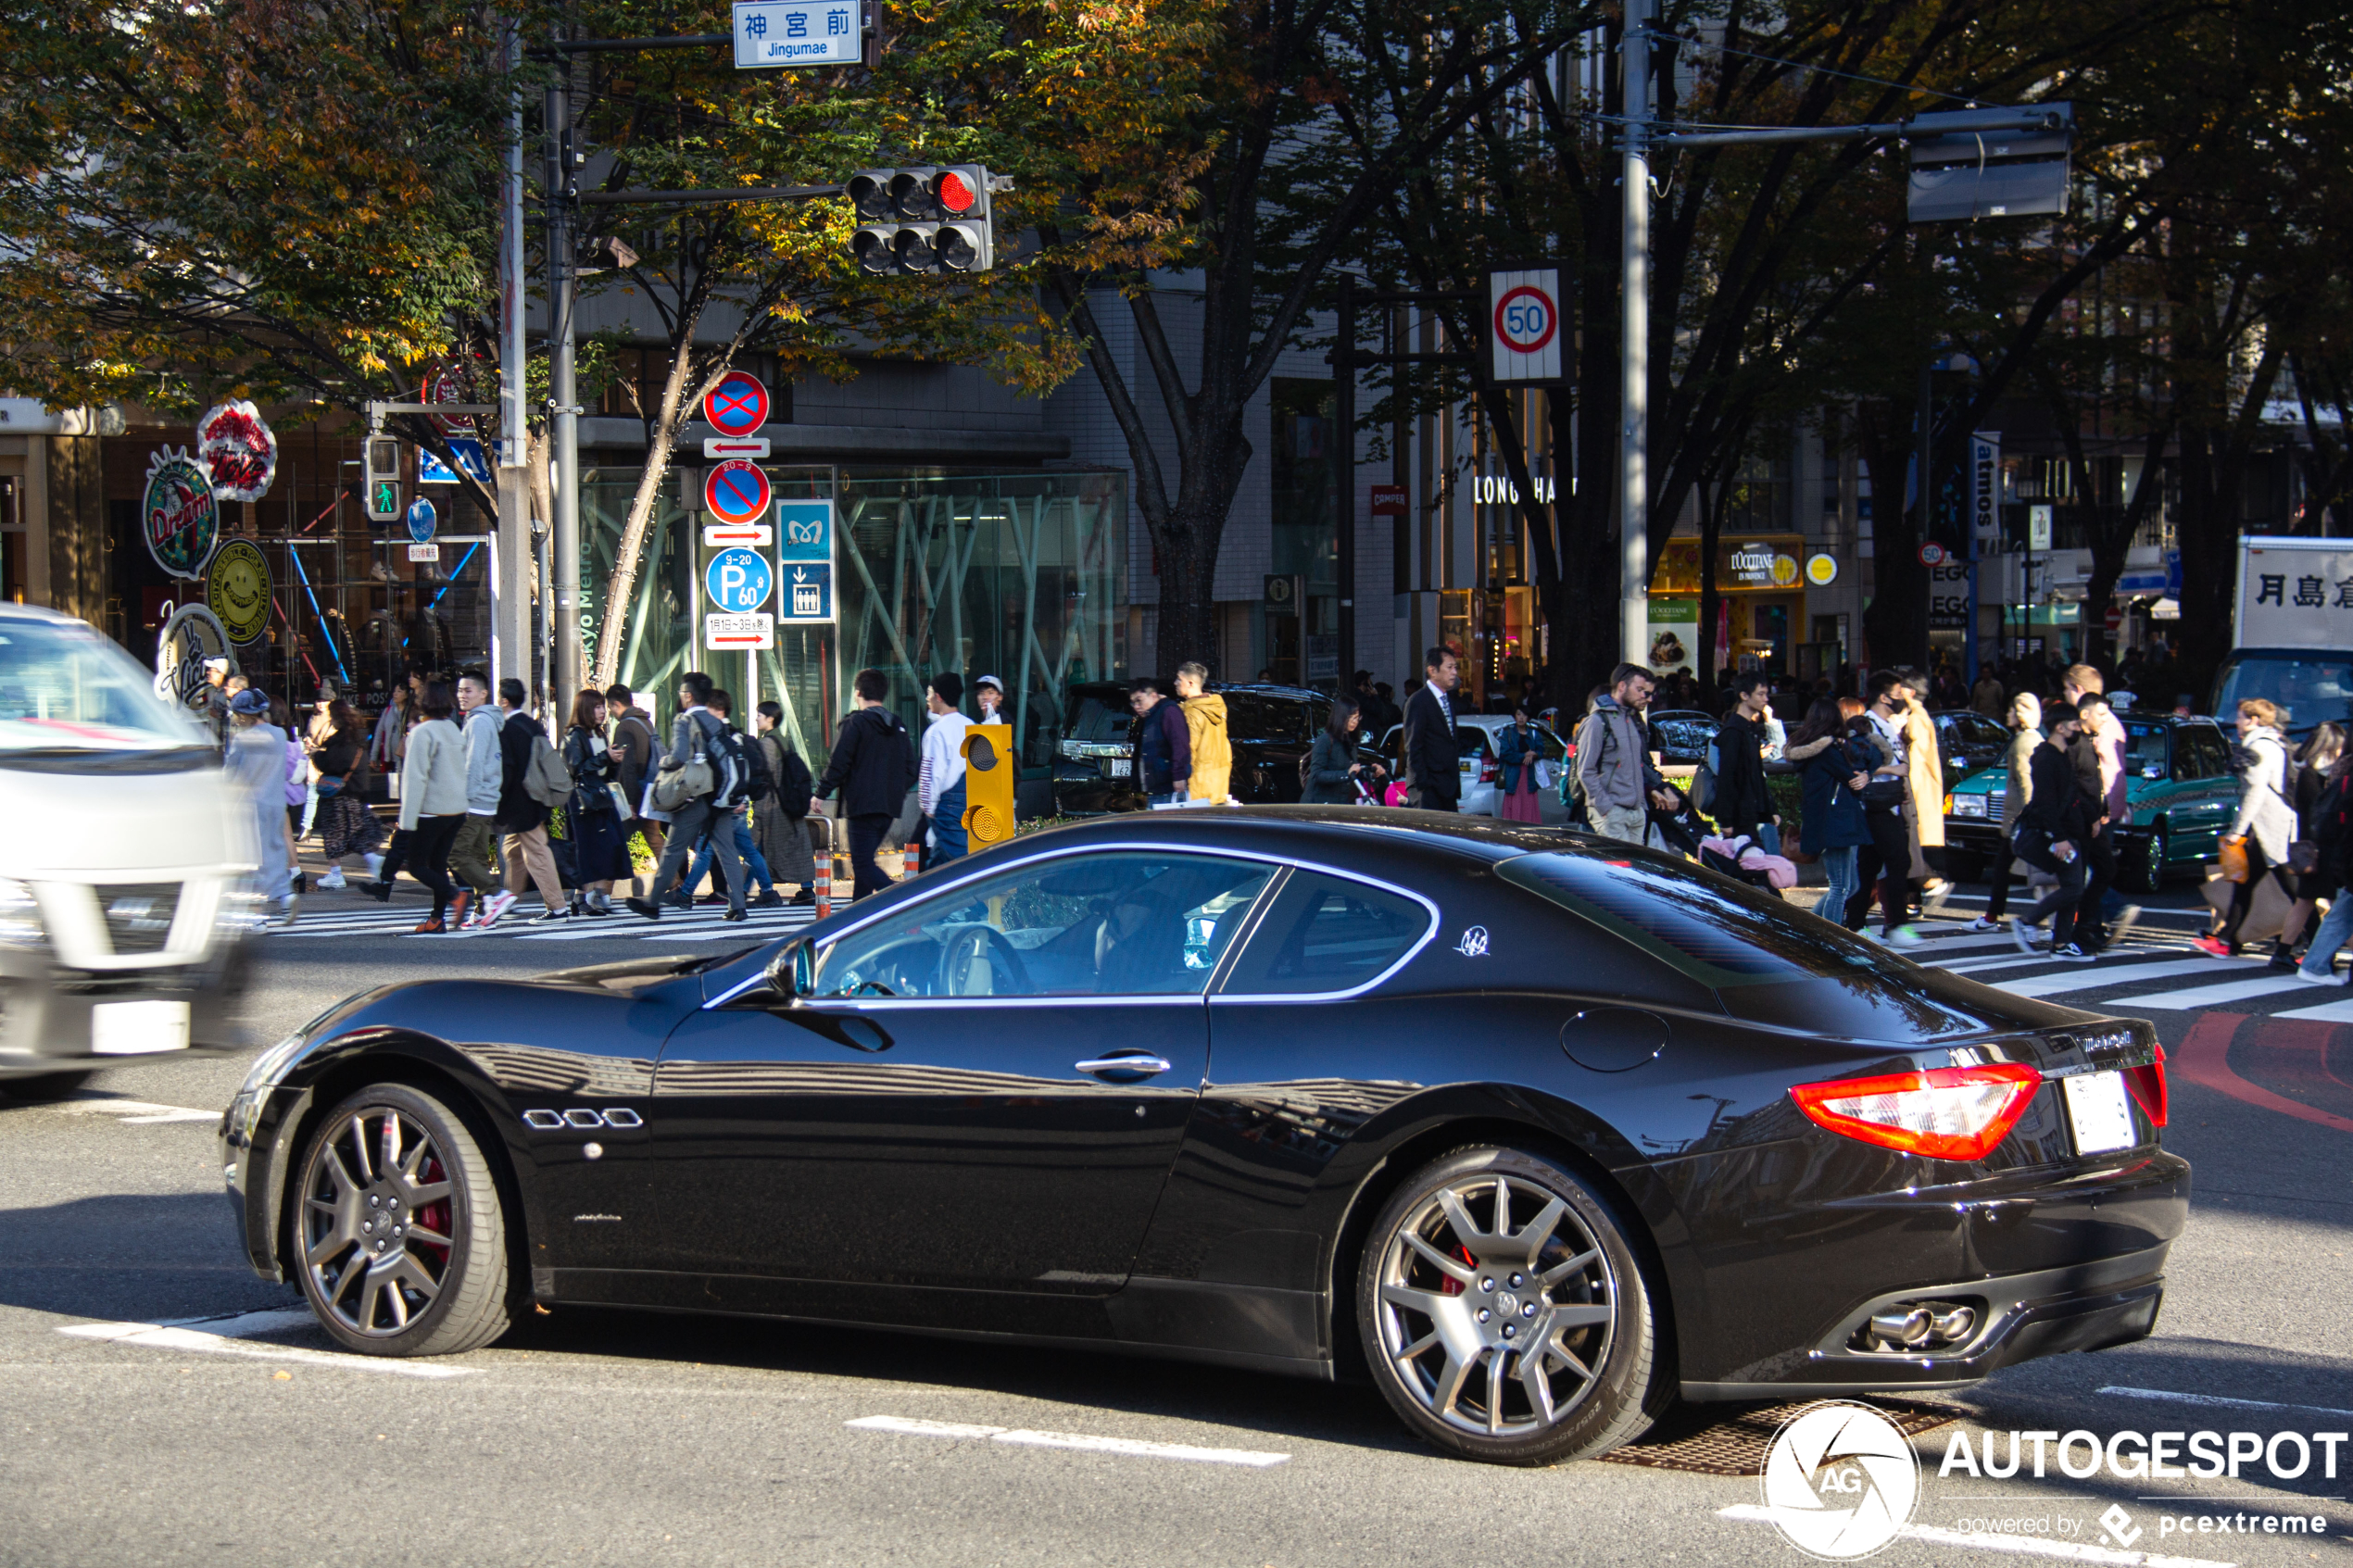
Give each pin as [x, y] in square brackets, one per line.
[378, 1221]
[1500, 1330]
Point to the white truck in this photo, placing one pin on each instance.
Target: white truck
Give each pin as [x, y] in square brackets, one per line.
[2291, 631]
[127, 893]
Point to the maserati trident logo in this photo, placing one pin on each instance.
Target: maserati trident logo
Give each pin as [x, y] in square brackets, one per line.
[1474, 942]
[1840, 1481]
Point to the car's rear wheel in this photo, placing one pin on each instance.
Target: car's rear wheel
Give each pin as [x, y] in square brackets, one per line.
[1503, 1313]
[402, 1247]
[2144, 868]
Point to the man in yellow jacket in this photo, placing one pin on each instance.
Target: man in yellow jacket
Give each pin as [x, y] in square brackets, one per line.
[1212, 775]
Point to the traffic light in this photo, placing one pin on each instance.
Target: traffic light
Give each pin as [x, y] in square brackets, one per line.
[382, 475]
[1971, 174]
[931, 220]
[989, 786]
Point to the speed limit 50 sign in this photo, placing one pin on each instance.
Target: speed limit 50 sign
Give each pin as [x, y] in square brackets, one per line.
[1525, 325]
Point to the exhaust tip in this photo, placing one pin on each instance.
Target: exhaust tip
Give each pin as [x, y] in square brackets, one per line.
[1911, 1328]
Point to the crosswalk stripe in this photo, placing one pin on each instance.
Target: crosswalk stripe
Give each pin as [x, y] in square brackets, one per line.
[2081, 979]
[1965, 944]
[2207, 996]
[2328, 1013]
[700, 925]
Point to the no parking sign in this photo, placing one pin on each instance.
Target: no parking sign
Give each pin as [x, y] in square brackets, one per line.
[738, 492]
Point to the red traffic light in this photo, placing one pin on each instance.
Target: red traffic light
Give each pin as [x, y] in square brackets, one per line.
[956, 193]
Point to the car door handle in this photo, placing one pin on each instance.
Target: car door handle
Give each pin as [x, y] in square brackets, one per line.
[1136, 1066]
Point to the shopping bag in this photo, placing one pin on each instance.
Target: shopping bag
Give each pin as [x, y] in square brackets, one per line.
[2234, 858]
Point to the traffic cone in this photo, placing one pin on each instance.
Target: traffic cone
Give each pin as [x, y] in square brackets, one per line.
[824, 887]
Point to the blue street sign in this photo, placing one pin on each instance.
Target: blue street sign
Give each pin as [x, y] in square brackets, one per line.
[737, 581]
[423, 520]
[808, 596]
[472, 459]
[805, 530]
[432, 470]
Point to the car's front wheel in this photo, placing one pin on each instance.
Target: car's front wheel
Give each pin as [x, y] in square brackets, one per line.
[402, 1245]
[2144, 868]
[1504, 1314]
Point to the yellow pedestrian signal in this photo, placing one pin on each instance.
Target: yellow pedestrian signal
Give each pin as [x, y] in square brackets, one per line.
[989, 786]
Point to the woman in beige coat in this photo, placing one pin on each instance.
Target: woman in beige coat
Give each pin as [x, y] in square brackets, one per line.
[1924, 783]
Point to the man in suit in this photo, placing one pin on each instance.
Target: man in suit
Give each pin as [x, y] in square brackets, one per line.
[1434, 765]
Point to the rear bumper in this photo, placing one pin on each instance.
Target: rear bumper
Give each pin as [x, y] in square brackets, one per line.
[2083, 1307]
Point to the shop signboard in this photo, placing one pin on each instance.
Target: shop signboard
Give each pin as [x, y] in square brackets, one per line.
[240, 449]
[1674, 627]
[237, 590]
[178, 514]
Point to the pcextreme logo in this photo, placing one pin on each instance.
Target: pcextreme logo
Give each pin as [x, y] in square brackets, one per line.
[1840, 1481]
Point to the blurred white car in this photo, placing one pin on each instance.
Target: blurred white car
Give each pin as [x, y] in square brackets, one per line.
[1477, 736]
[125, 879]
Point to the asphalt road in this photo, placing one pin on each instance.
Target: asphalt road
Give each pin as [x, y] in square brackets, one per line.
[596, 1436]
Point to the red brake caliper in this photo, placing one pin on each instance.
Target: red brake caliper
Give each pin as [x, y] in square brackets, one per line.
[1450, 1285]
[434, 1216]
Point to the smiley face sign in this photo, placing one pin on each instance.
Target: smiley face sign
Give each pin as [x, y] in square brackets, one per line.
[237, 590]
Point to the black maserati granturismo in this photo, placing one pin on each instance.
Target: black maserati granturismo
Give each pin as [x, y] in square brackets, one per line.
[1539, 1132]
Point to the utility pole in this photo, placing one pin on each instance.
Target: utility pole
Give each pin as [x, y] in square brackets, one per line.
[1634, 256]
[1344, 463]
[563, 393]
[517, 648]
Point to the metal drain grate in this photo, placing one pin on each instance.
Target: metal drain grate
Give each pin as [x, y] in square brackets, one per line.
[1708, 1441]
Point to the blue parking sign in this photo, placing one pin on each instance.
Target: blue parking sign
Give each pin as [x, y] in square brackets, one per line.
[737, 581]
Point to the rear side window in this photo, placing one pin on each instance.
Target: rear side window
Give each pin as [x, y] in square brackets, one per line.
[1326, 933]
[1096, 719]
[2145, 752]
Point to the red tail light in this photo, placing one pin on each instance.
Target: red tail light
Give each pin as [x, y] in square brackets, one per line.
[1943, 1113]
[1490, 769]
[2147, 1086]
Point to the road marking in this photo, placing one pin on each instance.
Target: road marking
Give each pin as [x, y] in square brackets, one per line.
[907, 1427]
[2012, 1545]
[1956, 944]
[2327, 1012]
[226, 1337]
[2209, 996]
[134, 1112]
[2122, 1393]
[2091, 979]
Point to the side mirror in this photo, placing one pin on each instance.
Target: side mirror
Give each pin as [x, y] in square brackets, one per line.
[791, 974]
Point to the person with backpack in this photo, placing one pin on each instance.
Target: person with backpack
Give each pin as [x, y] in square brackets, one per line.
[2316, 770]
[780, 818]
[687, 785]
[873, 767]
[940, 781]
[2330, 823]
[742, 761]
[1739, 800]
[1613, 773]
[525, 753]
[593, 817]
[2266, 823]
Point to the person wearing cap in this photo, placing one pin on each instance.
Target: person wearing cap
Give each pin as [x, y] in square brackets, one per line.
[989, 693]
[256, 762]
[211, 701]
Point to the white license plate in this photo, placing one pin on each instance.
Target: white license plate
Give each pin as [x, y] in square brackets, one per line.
[138, 1028]
[1120, 766]
[2099, 1111]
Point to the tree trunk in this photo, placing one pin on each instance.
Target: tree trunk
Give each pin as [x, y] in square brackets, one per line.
[1896, 622]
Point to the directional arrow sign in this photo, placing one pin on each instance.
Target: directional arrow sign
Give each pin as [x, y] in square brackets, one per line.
[737, 581]
[738, 405]
[736, 491]
[423, 520]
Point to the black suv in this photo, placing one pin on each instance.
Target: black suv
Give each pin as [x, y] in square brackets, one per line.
[1271, 728]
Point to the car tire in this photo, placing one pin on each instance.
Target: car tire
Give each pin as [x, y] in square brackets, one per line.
[39, 1088]
[2144, 870]
[1462, 1383]
[390, 1159]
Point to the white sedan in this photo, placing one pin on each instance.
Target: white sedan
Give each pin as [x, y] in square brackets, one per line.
[1477, 736]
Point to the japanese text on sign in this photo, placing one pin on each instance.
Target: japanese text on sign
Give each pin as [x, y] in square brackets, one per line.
[796, 32]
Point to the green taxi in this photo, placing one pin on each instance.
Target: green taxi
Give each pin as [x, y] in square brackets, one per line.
[2179, 786]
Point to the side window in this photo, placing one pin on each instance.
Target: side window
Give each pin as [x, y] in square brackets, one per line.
[2208, 757]
[1326, 933]
[1130, 924]
[2145, 754]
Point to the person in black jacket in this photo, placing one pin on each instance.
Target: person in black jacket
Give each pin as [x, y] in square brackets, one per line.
[1433, 762]
[523, 820]
[2053, 833]
[1164, 744]
[1742, 804]
[874, 766]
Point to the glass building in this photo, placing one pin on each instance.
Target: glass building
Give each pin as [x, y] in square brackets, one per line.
[1015, 575]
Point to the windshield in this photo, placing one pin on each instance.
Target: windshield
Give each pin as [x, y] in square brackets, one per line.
[1098, 720]
[65, 687]
[2307, 688]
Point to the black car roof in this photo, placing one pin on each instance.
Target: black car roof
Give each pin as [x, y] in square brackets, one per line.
[1344, 832]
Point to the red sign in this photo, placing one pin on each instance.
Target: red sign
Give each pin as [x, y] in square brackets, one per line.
[2114, 618]
[235, 442]
[738, 405]
[1932, 554]
[1389, 500]
[736, 491]
[454, 380]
